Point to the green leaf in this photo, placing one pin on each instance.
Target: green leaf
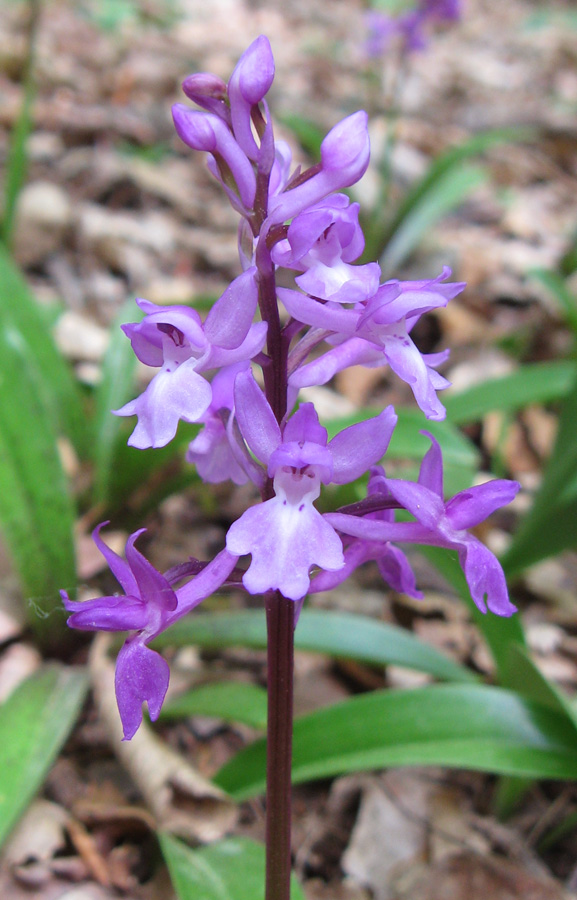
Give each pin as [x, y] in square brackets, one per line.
[551, 525]
[444, 185]
[337, 634]
[525, 677]
[557, 287]
[34, 723]
[53, 382]
[228, 700]
[442, 196]
[532, 383]
[36, 509]
[233, 869]
[461, 726]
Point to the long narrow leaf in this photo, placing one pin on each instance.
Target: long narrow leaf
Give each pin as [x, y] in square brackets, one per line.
[337, 634]
[34, 723]
[441, 198]
[470, 727]
[36, 509]
[551, 524]
[53, 382]
[118, 369]
[532, 383]
[231, 701]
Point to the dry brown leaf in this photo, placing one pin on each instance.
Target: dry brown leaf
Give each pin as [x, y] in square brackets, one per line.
[182, 801]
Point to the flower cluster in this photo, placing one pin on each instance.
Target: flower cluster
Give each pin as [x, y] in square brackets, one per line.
[238, 373]
[410, 27]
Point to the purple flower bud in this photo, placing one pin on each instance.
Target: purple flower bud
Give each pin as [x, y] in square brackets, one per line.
[248, 85]
[204, 131]
[345, 155]
[209, 92]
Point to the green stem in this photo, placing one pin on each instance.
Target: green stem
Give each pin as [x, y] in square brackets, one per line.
[280, 658]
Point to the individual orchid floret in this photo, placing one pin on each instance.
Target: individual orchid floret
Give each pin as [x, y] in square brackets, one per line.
[212, 451]
[450, 521]
[345, 155]
[444, 525]
[410, 27]
[149, 605]
[376, 333]
[286, 535]
[247, 87]
[321, 242]
[228, 162]
[175, 338]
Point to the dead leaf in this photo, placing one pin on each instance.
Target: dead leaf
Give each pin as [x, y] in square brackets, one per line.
[182, 801]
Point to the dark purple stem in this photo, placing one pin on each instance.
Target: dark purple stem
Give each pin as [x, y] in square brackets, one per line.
[279, 610]
[280, 659]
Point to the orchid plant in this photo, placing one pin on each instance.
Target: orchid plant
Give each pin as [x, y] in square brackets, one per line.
[239, 373]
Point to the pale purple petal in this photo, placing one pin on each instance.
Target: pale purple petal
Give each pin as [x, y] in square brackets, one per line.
[396, 571]
[248, 84]
[424, 504]
[350, 353]
[229, 320]
[431, 472]
[213, 457]
[321, 315]
[251, 345]
[406, 361]
[304, 426]
[142, 676]
[476, 504]
[361, 445]
[256, 419]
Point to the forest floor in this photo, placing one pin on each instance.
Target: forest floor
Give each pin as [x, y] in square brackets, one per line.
[115, 207]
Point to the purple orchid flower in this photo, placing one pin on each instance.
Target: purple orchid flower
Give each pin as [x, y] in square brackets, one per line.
[286, 535]
[444, 525]
[409, 27]
[174, 338]
[378, 332]
[150, 605]
[322, 242]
